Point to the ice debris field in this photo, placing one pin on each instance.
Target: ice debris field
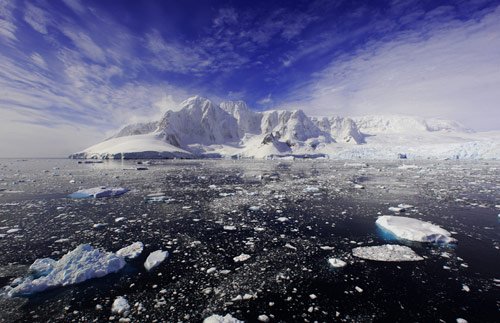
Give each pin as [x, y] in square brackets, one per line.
[249, 241]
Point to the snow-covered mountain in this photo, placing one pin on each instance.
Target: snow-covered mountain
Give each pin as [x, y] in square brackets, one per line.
[200, 128]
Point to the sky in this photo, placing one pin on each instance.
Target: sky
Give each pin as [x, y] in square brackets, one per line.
[74, 71]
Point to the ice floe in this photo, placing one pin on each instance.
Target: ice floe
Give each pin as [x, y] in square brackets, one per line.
[77, 266]
[221, 319]
[155, 258]
[132, 251]
[241, 258]
[414, 229]
[120, 306]
[386, 252]
[97, 192]
[336, 263]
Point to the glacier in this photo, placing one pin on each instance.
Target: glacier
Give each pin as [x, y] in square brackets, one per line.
[199, 128]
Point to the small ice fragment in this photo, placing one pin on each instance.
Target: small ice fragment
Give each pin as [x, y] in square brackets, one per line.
[154, 259]
[211, 270]
[282, 219]
[132, 251]
[254, 208]
[358, 289]
[461, 320]
[396, 209]
[289, 246]
[465, 288]
[97, 192]
[221, 319]
[263, 318]
[120, 306]
[336, 263]
[311, 189]
[13, 230]
[242, 257]
[229, 227]
[155, 198]
[312, 296]
[326, 248]
[386, 253]
[359, 186]
[120, 219]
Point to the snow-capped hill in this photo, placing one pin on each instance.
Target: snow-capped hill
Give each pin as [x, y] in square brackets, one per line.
[289, 125]
[340, 129]
[199, 128]
[136, 129]
[248, 120]
[198, 121]
[405, 124]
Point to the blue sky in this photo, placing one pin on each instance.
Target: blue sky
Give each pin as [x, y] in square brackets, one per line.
[71, 71]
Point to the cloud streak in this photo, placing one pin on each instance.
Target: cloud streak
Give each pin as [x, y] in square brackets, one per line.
[448, 70]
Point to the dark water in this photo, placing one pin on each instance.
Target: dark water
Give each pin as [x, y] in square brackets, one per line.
[287, 264]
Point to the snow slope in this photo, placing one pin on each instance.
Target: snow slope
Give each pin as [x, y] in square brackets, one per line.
[200, 128]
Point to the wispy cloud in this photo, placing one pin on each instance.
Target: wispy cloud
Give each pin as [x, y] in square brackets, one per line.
[446, 69]
[7, 26]
[37, 18]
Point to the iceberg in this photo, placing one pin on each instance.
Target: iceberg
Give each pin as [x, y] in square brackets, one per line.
[97, 192]
[154, 259]
[386, 252]
[81, 264]
[120, 306]
[414, 230]
[221, 319]
[132, 251]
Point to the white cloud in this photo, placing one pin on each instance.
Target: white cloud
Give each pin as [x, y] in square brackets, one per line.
[7, 26]
[266, 100]
[75, 5]
[38, 60]
[37, 18]
[449, 70]
[85, 43]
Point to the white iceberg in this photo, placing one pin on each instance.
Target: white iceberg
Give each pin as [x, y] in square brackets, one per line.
[155, 258]
[221, 319]
[337, 263]
[79, 265]
[132, 251]
[386, 252]
[414, 230]
[120, 306]
[241, 258]
[97, 192]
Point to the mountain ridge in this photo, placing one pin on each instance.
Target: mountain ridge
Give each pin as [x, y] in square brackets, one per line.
[200, 128]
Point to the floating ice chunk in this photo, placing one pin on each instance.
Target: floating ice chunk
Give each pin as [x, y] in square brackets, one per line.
[97, 192]
[386, 252]
[282, 219]
[405, 206]
[414, 230]
[42, 267]
[408, 167]
[254, 208]
[156, 198]
[132, 251]
[336, 263]
[120, 306]
[396, 209]
[359, 186]
[461, 320]
[77, 266]
[229, 227]
[310, 189]
[263, 318]
[221, 319]
[242, 257]
[13, 230]
[154, 259]
[358, 289]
